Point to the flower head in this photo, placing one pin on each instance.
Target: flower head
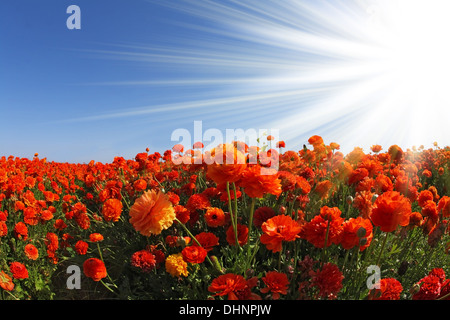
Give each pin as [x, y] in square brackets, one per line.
[328, 280]
[31, 251]
[276, 282]
[176, 266]
[152, 213]
[18, 270]
[390, 289]
[95, 269]
[112, 209]
[278, 229]
[390, 210]
[234, 286]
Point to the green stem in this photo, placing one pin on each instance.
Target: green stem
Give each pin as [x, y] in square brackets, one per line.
[250, 218]
[194, 239]
[233, 222]
[325, 244]
[382, 248]
[101, 257]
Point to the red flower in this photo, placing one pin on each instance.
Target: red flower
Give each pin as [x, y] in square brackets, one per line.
[234, 286]
[424, 196]
[18, 270]
[3, 229]
[51, 241]
[328, 280]
[390, 210]
[182, 214]
[198, 202]
[262, 214]
[194, 254]
[207, 240]
[94, 268]
[326, 225]
[276, 282]
[242, 233]
[278, 229]
[143, 260]
[390, 289]
[81, 247]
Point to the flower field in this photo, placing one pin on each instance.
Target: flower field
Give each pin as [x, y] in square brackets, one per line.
[322, 225]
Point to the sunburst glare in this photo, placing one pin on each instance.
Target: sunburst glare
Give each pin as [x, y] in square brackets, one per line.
[355, 72]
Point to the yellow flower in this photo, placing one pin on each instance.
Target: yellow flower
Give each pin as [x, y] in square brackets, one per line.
[176, 266]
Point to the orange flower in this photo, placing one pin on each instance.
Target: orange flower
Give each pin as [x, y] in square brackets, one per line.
[6, 282]
[323, 188]
[95, 237]
[315, 140]
[225, 164]
[357, 232]
[444, 206]
[112, 209]
[390, 210]
[363, 202]
[424, 196]
[395, 152]
[376, 148]
[214, 217]
[140, 185]
[278, 229]
[152, 213]
[31, 251]
[95, 269]
[276, 282]
[256, 185]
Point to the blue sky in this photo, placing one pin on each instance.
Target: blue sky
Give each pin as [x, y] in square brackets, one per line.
[137, 70]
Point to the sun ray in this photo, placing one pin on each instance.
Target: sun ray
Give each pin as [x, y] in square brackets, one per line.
[357, 72]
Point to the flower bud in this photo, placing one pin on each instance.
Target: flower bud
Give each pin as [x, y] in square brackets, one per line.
[362, 242]
[349, 200]
[414, 289]
[361, 232]
[374, 198]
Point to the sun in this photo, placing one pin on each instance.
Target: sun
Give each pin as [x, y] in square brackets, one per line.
[414, 56]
